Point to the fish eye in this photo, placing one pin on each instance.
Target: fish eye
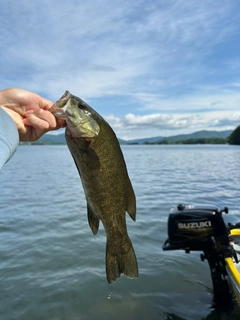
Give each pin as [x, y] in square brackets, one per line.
[84, 109]
[81, 106]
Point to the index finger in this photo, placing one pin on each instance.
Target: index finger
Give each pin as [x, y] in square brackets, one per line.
[46, 104]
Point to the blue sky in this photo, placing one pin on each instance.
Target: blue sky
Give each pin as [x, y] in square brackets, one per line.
[151, 68]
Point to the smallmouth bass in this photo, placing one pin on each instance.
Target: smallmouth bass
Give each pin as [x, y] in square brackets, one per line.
[108, 189]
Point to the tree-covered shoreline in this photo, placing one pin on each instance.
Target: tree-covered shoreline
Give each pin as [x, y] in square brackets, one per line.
[192, 141]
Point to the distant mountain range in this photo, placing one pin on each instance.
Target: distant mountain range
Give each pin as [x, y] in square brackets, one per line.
[196, 135]
[60, 138]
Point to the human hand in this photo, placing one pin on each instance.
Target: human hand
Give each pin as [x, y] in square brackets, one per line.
[30, 113]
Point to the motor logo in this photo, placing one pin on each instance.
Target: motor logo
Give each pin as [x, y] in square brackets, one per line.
[195, 225]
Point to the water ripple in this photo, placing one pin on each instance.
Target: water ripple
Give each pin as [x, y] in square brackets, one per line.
[53, 267]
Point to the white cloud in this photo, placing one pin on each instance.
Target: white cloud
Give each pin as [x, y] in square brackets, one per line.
[135, 126]
[163, 63]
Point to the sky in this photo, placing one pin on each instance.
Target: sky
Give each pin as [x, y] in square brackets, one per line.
[150, 68]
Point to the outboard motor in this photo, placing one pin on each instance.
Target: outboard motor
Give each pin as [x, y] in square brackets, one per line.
[202, 228]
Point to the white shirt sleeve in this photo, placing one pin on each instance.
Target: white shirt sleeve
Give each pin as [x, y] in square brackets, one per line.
[9, 138]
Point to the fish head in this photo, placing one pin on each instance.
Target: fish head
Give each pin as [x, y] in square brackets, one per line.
[77, 114]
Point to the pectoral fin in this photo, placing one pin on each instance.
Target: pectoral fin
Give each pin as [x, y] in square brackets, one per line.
[93, 220]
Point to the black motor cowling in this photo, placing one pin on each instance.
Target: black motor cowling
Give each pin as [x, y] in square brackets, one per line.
[202, 228]
[193, 227]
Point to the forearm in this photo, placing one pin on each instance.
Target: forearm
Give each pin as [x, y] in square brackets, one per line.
[9, 137]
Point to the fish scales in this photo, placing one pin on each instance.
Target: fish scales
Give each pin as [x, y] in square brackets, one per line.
[108, 189]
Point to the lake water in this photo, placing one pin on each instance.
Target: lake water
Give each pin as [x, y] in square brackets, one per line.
[53, 268]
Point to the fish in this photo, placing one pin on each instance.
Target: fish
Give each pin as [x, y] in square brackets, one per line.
[108, 190]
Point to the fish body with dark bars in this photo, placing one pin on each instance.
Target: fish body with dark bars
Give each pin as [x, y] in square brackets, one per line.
[103, 172]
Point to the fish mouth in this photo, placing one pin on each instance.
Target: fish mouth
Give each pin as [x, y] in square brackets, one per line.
[60, 107]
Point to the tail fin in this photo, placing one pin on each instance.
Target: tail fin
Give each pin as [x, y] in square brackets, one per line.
[125, 263]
